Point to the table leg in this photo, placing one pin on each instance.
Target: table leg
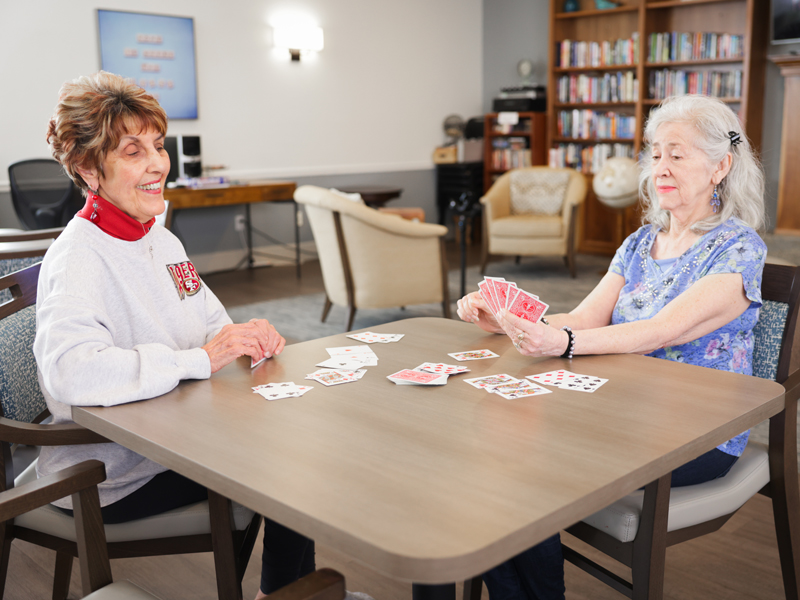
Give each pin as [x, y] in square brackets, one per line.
[445, 591]
[297, 237]
[250, 261]
[228, 585]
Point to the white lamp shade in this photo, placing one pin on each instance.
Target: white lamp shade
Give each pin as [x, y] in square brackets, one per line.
[299, 37]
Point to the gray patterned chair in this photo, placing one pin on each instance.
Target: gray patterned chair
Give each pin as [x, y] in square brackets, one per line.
[20, 249]
[639, 537]
[180, 531]
[533, 212]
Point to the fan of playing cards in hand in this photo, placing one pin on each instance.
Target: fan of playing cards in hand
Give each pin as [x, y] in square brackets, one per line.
[499, 294]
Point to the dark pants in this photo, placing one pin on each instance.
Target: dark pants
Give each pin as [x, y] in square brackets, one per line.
[538, 573]
[287, 555]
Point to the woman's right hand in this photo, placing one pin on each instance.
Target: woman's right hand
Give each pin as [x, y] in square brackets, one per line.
[255, 339]
[472, 309]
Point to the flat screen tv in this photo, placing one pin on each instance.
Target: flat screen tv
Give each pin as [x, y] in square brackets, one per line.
[154, 51]
[785, 21]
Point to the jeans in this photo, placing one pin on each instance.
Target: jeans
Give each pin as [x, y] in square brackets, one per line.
[538, 573]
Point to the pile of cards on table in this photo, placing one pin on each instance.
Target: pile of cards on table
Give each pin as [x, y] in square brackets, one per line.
[500, 294]
[426, 374]
[336, 376]
[369, 337]
[507, 386]
[350, 358]
[473, 355]
[277, 391]
[567, 380]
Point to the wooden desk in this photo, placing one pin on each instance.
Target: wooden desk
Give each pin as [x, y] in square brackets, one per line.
[254, 191]
[436, 484]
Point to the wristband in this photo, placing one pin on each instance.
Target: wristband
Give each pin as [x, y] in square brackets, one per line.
[570, 345]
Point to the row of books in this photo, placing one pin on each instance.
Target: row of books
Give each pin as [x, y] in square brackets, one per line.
[587, 159]
[598, 54]
[514, 143]
[585, 124]
[610, 87]
[675, 46]
[720, 84]
[503, 160]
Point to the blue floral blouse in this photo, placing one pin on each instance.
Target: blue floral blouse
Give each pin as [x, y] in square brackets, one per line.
[731, 247]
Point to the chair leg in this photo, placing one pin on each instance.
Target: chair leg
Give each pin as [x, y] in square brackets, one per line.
[326, 309]
[228, 585]
[517, 258]
[650, 545]
[484, 260]
[569, 260]
[351, 315]
[786, 497]
[62, 576]
[246, 546]
[473, 588]
[5, 550]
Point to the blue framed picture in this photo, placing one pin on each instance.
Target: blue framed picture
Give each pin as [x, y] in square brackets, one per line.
[785, 21]
[155, 52]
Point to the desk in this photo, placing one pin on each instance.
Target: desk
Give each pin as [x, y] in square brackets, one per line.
[436, 484]
[254, 191]
[374, 195]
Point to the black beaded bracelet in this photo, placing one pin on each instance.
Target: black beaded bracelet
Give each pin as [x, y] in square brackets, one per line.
[570, 345]
[543, 320]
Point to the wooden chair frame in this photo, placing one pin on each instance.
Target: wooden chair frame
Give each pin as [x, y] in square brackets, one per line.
[646, 554]
[9, 250]
[231, 548]
[348, 278]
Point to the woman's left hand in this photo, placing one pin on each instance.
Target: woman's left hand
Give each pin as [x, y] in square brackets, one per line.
[533, 339]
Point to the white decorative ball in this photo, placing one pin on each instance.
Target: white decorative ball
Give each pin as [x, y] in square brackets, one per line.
[617, 184]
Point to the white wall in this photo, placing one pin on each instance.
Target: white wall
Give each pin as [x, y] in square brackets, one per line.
[373, 100]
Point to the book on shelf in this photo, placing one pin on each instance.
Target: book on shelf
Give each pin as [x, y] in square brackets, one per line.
[675, 46]
[586, 124]
[570, 53]
[587, 159]
[621, 86]
[505, 159]
[720, 84]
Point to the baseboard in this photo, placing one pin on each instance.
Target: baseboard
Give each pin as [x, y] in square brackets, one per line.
[263, 256]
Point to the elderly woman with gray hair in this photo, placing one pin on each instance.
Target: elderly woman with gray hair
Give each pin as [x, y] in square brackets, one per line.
[685, 287]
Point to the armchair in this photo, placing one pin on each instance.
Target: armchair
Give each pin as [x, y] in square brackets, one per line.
[371, 259]
[533, 212]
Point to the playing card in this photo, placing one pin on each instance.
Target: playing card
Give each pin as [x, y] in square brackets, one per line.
[278, 391]
[490, 281]
[255, 363]
[512, 386]
[511, 292]
[349, 350]
[367, 337]
[534, 390]
[332, 377]
[555, 378]
[490, 381]
[441, 368]
[527, 306]
[583, 383]
[487, 296]
[500, 292]
[348, 363]
[388, 338]
[473, 355]
[417, 377]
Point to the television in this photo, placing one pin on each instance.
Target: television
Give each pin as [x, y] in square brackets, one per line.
[785, 21]
[154, 51]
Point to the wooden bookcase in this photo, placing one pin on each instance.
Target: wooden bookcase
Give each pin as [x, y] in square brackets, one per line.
[531, 130]
[600, 229]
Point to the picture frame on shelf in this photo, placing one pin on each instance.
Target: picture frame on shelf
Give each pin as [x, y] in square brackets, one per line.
[785, 21]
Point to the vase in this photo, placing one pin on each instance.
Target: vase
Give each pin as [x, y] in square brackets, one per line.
[571, 6]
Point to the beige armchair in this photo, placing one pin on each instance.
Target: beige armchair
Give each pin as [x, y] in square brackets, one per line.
[371, 259]
[517, 233]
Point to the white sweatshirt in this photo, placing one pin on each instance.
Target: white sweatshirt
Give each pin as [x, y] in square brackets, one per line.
[114, 325]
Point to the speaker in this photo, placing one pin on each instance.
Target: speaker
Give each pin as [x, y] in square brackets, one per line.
[189, 160]
[171, 146]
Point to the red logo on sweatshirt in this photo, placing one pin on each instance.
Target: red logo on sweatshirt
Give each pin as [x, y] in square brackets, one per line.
[186, 278]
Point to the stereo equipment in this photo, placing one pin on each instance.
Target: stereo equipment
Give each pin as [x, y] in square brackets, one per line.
[184, 156]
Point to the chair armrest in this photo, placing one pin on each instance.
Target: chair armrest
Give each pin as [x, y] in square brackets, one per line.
[324, 584]
[497, 200]
[792, 387]
[34, 434]
[396, 225]
[26, 236]
[50, 488]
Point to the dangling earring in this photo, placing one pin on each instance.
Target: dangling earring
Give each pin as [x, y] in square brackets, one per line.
[715, 200]
[93, 198]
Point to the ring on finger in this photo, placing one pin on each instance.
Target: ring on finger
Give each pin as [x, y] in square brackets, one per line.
[517, 345]
[520, 336]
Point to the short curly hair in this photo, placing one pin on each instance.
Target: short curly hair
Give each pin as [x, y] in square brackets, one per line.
[93, 113]
[741, 192]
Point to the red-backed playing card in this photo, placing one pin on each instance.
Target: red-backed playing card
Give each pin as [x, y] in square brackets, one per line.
[528, 307]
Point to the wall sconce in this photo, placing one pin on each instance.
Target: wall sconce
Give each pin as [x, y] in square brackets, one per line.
[298, 37]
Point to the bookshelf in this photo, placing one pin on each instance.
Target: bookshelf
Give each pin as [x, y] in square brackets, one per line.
[617, 44]
[507, 146]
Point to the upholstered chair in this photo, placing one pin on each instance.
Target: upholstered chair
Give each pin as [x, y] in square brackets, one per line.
[533, 212]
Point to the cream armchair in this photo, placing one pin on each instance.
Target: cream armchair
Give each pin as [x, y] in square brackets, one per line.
[371, 259]
[513, 232]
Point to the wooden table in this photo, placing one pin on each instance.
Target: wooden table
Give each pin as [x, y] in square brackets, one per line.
[252, 192]
[436, 484]
[374, 195]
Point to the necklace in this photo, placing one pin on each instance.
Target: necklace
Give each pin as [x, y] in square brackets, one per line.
[149, 245]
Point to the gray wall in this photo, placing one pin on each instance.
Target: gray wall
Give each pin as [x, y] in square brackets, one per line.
[513, 30]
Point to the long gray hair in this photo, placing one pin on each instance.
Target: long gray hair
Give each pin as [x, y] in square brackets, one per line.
[741, 192]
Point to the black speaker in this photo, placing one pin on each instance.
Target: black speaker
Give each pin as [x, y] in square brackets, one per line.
[171, 146]
[189, 158]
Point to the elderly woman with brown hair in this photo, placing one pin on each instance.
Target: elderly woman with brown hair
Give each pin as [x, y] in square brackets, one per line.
[122, 314]
[685, 287]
